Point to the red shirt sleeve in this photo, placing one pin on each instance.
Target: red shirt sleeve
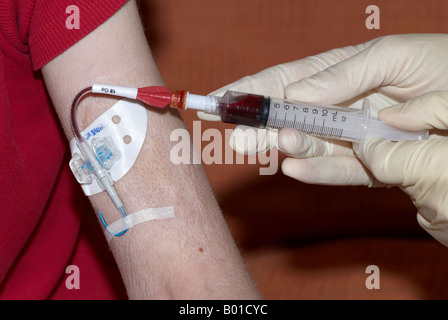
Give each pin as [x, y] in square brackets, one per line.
[48, 34]
[42, 219]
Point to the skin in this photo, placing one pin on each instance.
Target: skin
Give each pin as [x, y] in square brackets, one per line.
[192, 256]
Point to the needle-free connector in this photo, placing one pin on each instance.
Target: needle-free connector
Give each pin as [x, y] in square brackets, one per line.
[80, 169]
[105, 151]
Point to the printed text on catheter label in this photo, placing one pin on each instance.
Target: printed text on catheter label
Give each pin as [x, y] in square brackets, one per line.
[94, 131]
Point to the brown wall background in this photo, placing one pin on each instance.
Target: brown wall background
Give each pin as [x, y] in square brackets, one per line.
[300, 241]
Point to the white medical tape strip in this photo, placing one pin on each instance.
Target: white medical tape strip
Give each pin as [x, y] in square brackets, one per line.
[136, 218]
[133, 123]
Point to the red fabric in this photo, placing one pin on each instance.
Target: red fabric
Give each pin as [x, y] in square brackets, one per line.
[40, 225]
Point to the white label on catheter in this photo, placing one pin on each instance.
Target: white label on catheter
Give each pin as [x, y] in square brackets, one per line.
[136, 218]
[126, 123]
[125, 92]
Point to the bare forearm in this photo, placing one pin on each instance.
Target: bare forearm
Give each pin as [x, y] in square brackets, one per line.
[190, 256]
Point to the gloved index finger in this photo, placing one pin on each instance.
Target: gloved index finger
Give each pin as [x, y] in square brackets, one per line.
[374, 67]
[272, 81]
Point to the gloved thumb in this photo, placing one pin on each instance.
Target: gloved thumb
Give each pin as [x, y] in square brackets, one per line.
[426, 112]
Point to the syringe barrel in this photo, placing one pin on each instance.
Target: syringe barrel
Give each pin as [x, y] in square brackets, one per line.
[325, 121]
[244, 108]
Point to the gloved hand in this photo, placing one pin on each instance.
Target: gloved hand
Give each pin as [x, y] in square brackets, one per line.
[272, 82]
[418, 167]
[388, 70]
[397, 68]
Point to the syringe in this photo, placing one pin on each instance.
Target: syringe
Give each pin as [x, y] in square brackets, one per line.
[260, 111]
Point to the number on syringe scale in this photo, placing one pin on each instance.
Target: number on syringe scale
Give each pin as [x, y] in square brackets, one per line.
[324, 112]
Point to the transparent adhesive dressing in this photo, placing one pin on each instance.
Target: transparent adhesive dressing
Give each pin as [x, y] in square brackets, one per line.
[326, 121]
